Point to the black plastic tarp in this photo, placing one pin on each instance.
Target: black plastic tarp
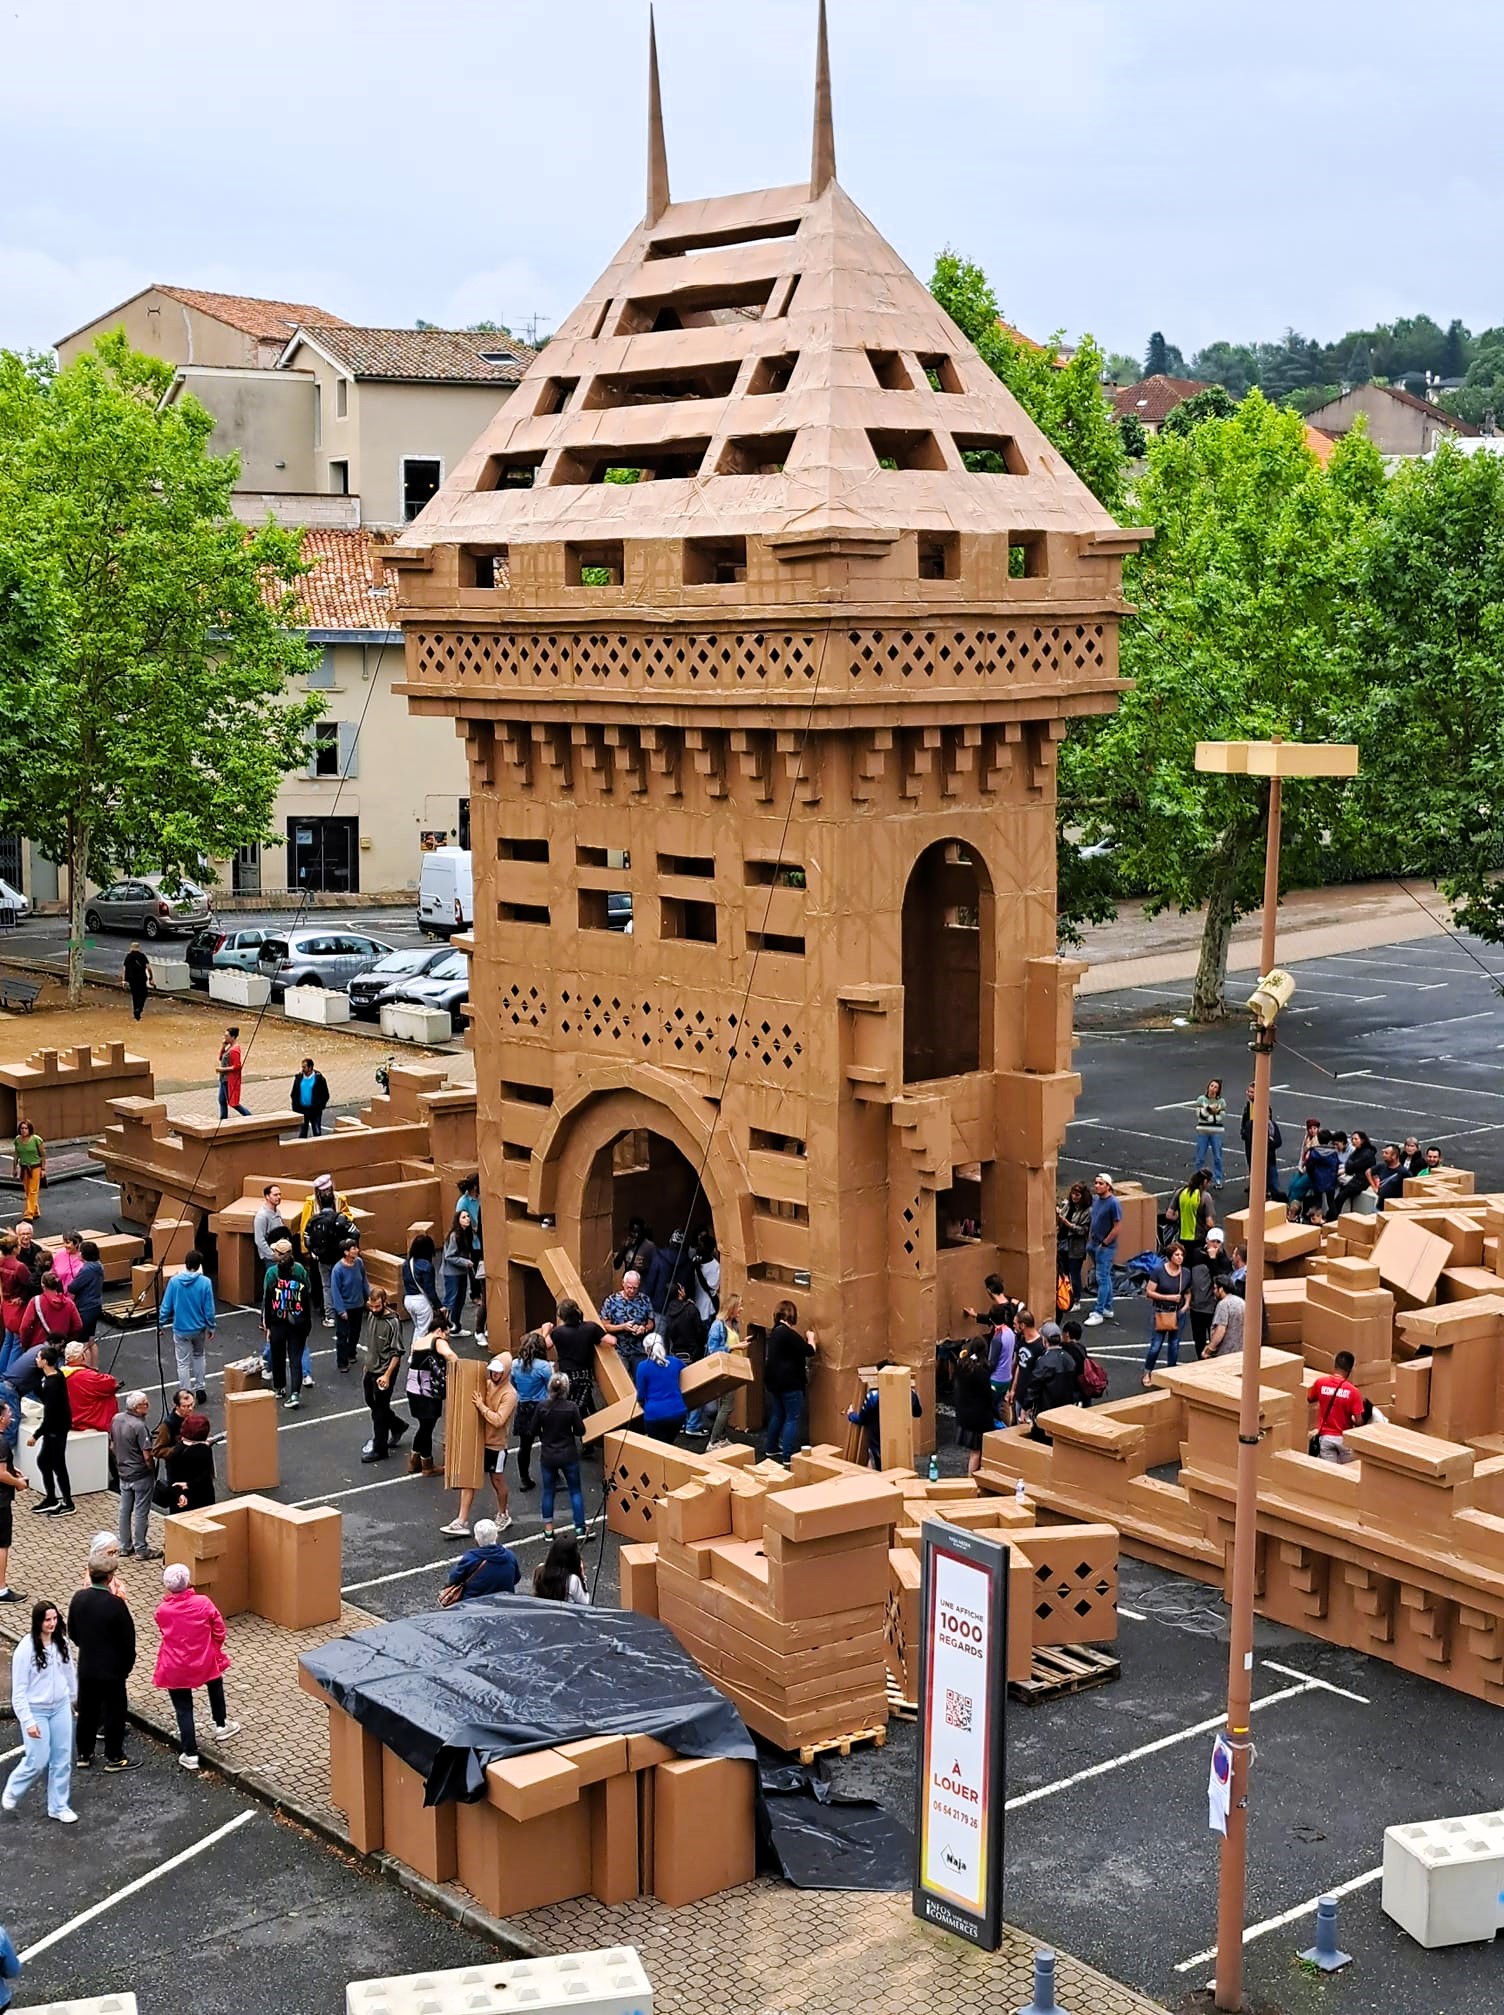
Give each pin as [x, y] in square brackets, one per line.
[455, 1690]
[816, 1838]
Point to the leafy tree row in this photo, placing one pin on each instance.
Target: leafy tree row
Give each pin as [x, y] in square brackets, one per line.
[1281, 597]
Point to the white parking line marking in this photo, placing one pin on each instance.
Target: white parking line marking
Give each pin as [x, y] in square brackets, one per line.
[355, 1490]
[11, 1755]
[1463, 1091]
[319, 1419]
[133, 1888]
[1147, 1749]
[1284, 1917]
[1322, 1685]
[1133, 1615]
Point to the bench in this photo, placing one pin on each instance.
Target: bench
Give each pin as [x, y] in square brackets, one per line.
[18, 995]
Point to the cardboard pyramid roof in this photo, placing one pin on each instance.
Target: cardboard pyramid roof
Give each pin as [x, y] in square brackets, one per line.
[765, 359]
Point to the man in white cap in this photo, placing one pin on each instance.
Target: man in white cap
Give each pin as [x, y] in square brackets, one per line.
[497, 1407]
[1209, 1264]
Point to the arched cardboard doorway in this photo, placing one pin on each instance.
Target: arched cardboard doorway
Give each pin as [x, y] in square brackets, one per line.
[948, 962]
[639, 1174]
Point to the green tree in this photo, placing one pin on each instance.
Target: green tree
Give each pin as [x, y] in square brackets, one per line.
[1427, 656]
[1135, 440]
[1215, 403]
[1234, 366]
[1064, 400]
[1240, 598]
[1163, 359]
[145, 716]
[1121, 369]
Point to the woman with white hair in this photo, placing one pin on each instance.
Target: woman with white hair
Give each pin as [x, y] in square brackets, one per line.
[192, 1654]
[487, 1568]
[660, 1393]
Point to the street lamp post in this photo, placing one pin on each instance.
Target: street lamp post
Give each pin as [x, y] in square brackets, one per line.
[1275, 760]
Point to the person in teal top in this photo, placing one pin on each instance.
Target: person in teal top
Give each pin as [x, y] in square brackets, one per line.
[531, 1372]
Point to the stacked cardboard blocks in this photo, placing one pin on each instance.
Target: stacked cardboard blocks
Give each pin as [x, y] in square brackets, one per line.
[1400, 1552]
[66, 1094]
[797, 1590]
[612, 1817]
[254, 1555]
[595, 1983]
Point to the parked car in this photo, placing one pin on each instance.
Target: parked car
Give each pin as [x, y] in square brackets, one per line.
[225, 951]
[13, 900]
[388, 976]
[144, 904]
[317, 956]
[446, 987]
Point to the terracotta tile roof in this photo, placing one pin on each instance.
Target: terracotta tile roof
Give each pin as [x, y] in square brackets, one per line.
[1151, 398]
[341, 593]
[1322, 446]
[274, 319]
[437, 356]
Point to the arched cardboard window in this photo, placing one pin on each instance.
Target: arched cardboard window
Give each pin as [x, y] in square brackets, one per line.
[947, 962]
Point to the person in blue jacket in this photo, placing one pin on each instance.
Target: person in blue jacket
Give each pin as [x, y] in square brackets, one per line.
[487, 1568]
[188, 1305]
[10, 1966]
[660, 1392]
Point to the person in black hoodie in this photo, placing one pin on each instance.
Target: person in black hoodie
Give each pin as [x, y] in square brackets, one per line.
[684, 1327]
[104, 1636]
[1054, 1383]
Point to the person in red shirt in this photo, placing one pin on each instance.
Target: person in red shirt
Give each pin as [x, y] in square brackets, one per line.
[16, 1289]
[231, 1065]
[52, 1318]
[91, 1392]
[1339, 1405]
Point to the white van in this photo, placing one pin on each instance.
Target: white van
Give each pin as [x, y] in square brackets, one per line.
[446, 891]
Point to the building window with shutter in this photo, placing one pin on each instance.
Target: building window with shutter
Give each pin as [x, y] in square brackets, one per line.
[321, 675]
[335, 749]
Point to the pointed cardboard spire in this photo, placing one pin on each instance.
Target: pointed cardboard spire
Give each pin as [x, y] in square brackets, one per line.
[658, 196]
[822, 169]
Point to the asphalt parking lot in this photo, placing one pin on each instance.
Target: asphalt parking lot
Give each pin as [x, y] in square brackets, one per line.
[1108, 1851]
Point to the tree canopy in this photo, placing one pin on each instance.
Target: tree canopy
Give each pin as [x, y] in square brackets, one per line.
[1241, 598]
[148, 639]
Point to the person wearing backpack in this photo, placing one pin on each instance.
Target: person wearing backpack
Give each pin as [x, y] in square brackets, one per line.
[323, 1229]
[1091, 1374]
[286, 1317]
[1054, 1382]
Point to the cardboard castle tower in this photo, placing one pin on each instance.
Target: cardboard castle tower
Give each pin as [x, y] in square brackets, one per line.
[764, 603]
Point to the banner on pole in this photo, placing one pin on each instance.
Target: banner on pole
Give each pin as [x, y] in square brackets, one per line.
[1219, 1786]
[963, 1692]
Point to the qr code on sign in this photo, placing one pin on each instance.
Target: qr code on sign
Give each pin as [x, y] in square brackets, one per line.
[957, 1709]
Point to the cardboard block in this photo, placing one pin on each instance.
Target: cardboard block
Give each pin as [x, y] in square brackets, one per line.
[747, 1501]
[252, 1454]
[1412, 1389]
[644, 1751]
[1466, 1283]
[610, 1420]
[355, 1773]
[421, 1835]
[525, 1786]
[464, 1430]
[813, 1588]
[696, 1559]
[820, 1510]
[713, 1377]
[512, 1865]
[612, 1376]
[705, 1836]
[742, 1566]
[895, 1417]
[1410, 1259]
[638, 1568]
[596, 1757]
[614, 1846]
[778, 1546]
[699, 1510]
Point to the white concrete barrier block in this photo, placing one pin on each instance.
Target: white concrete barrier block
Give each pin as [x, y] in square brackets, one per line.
[596, 1983]
[239, 989]
[316, 1004]
[405, 1021]
[1443, 1879]
[87, 1456]
[169, 976]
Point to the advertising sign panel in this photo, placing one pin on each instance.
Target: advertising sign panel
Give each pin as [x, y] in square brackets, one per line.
[963, 1692]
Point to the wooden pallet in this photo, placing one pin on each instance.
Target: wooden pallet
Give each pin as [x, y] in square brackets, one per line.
[842, 1745]
[899, 1708]
[1061, 1669]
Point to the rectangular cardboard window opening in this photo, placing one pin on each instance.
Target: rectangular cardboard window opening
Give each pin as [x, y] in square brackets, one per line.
[522, 913]
[1028, 556]
[777, 942]
[941, 373]
[714, 562]
[598, 565]
[518, 849]
[660, 387]
[701, 866]
[905, 448]
[526, 1094]
[555, 396]
[755, 455]
[686, 243]
[991, 454]
[689, 921]
[604, 909]
[939, 556]
[483, 566]
[673, 461]
[771, 374]
[890, 370]
[513, 471]
[763, 1142]
[692, 307]
[774, 874]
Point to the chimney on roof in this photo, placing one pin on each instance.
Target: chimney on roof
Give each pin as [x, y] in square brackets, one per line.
[658, 196]
[822, 168]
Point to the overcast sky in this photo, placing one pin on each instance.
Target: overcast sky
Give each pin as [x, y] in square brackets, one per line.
[1116, 165]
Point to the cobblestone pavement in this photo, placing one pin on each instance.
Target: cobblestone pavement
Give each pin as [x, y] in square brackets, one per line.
[759, 1950]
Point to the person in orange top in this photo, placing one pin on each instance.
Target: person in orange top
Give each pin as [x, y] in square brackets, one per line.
[91, 1392]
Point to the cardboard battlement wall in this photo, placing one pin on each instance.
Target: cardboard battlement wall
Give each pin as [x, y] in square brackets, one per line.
[66, 1094]
[797, 690]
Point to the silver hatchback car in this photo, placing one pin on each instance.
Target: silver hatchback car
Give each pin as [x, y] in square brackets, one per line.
[319, 955]
[144, 903]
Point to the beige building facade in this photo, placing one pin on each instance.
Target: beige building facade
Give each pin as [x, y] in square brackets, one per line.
[185, 325]
[1398, 423]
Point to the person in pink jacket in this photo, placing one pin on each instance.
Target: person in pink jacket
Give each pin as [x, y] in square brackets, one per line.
[192, 1654]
